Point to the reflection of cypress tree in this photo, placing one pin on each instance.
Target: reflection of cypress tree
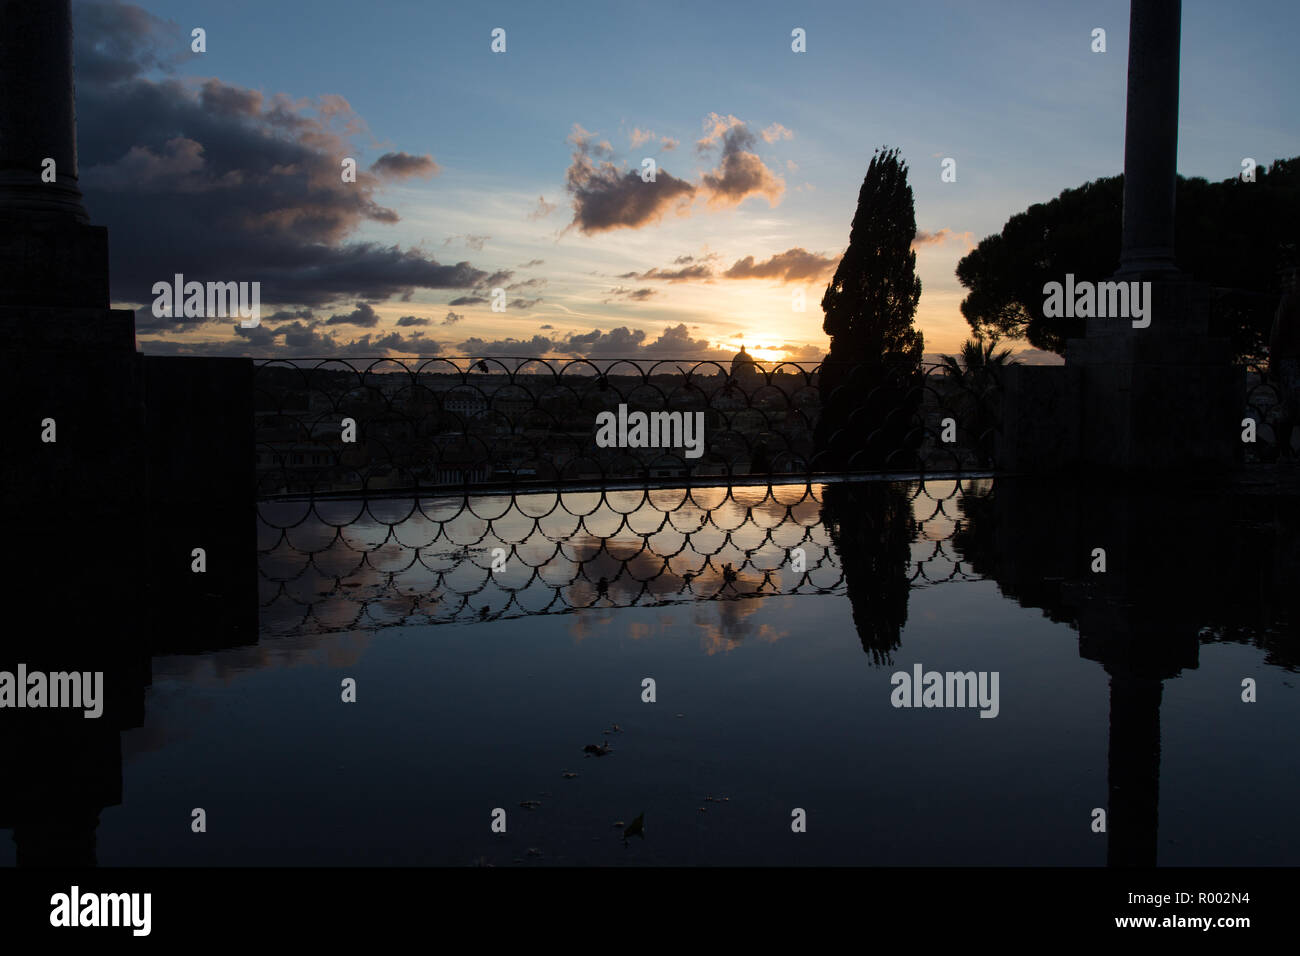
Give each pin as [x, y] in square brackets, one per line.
[869, 383]
[872, 528]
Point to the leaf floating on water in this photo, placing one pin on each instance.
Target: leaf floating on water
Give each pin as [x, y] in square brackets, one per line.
[636, 827]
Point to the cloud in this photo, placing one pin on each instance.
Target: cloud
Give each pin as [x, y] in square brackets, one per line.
[793, 265]
[542, 209]
[364, 316]
[740, 173]
[684, 274]
[537, 345]
[471, 240]
[260, 173]
[468, 300]
[536, 283]
[640, 136]
[522, 304]
[531, 263]
[404, 166]
[452, 318]
[635, 295]
[606, 196]
[302, 340]
[776, 131]
[924, 238]
[408, 320]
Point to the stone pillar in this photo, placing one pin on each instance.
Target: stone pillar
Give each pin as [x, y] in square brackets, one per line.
[1151, 138]
[1161, 395]
[38, 111]
[50, 255]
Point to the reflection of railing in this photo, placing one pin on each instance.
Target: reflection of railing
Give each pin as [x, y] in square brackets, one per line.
[333, 426]
[336, 564]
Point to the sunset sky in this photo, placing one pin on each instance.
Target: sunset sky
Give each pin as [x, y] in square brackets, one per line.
[518, 169]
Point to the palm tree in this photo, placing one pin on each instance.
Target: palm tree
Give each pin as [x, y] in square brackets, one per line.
[976, 373]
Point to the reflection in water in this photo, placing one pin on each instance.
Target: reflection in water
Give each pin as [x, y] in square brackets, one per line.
[325, 583]
[873, 527]
[1181, 570]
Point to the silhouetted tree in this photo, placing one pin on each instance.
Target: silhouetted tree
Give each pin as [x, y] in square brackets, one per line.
[1228, 235]
[868, 381]
[976, 372]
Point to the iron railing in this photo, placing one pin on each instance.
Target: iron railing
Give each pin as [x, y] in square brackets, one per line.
[334, 426]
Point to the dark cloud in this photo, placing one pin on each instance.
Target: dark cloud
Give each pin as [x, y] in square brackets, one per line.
[740, 173]
[452, 318]
[635, 295]
[684, 274]
[526, 284]
[364, 315]
[405, 166]
[299, 339]
[468, 300]
[521, 303]
[793, 265]
[537, 345]
[531, 263]
[119, 41]
[408, 320]
[606, 196]
[221, 183]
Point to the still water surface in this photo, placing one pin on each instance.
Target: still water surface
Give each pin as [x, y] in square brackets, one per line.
[773, 691]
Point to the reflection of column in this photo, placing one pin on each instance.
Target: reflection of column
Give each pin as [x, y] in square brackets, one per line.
[1132, 824]
[37, 110]
[1151, 136]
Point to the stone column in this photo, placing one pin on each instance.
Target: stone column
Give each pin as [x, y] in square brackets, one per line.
[38, 111]
[50, 255]
[1151, 138]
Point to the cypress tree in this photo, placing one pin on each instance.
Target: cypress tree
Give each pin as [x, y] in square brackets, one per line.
[869, 382]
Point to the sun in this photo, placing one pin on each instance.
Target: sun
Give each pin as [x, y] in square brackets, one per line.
[766, 353]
